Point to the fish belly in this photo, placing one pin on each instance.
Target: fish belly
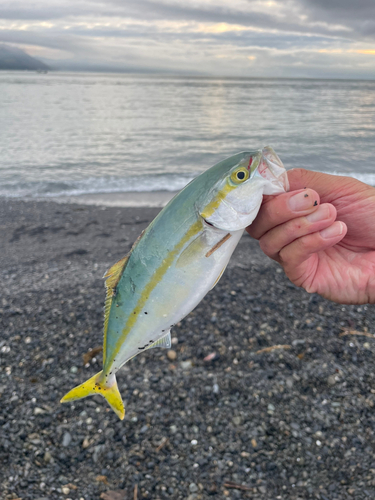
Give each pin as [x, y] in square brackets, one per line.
[184, 284]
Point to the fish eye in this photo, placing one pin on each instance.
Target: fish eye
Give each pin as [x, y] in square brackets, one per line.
[240, 175]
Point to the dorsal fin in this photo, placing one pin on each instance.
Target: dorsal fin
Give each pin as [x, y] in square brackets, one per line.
[113, 276]
[114, 273]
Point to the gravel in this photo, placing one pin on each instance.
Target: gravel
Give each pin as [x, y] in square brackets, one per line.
[217, 418]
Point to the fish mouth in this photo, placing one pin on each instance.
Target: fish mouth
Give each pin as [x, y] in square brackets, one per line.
[271, 167]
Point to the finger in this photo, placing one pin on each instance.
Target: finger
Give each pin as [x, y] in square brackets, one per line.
[279, 209]
[281, 236]
[328, 186]
[295, 256]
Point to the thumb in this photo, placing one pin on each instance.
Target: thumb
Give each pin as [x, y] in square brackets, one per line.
[329, 187]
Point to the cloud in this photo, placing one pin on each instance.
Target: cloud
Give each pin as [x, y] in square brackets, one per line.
[274, 37]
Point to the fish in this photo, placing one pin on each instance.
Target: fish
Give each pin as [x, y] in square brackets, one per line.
[177, 260]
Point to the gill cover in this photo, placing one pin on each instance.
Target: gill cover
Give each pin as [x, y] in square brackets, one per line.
[235, 201]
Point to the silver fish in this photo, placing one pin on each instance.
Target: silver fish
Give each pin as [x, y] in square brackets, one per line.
[177, 260]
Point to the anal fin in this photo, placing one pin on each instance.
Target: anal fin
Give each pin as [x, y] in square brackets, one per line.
[218, 278]
[164, 341]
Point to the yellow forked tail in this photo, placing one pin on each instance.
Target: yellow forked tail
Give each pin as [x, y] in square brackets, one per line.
[94, 386]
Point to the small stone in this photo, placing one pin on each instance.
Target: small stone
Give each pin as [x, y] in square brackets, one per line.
[74, 369]
[86, 443]
[366, 345]
[193, 488]
[172, 355]
[254, 443]
[262, 489]
[270, 408]
[245, 454]
[210, 357]
[47, 457]
[185, 365]
[38, 411]
[331, 380]
[194, 442]
[298, 342]
[289, 382]
[173, 429]
[215, 389]
[66, 439]
[237, 420]
[65, 490]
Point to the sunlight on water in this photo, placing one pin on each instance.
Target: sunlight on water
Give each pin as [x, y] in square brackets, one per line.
[89, 133]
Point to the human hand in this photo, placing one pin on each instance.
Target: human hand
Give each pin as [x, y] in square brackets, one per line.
[322, 232]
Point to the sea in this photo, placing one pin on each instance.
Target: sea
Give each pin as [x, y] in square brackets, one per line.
[71, 136]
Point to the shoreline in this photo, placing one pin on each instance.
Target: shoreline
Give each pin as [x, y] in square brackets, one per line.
[125, 199]
[158, 198]
[129, 199]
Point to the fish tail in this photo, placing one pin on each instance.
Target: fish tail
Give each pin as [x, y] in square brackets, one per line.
[97, 385]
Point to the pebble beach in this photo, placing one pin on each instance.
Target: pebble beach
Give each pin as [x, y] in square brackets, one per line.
[267, 393]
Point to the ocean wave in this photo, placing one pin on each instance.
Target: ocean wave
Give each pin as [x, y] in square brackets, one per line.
[137, 184]
[95, 185]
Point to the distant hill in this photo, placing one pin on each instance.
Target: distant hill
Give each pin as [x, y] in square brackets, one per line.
[12, 58]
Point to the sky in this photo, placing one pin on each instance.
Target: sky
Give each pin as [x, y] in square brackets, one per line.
[231, 38]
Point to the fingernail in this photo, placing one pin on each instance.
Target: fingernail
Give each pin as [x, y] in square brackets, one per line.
[332, 231]
[301, 201]
[320, 214]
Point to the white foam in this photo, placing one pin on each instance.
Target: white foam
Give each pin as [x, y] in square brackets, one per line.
[96, 185]
[107, 185]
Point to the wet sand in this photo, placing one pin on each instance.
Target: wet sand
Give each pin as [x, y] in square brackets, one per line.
[286, 423]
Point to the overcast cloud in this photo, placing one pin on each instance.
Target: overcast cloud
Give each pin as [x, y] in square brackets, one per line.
[281, 38]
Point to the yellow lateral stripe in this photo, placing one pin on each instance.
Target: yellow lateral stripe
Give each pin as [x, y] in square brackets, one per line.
[162, 269]
[214, 204]
[156, 278]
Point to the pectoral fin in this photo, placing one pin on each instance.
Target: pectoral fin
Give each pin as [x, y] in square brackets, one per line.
[192, 251]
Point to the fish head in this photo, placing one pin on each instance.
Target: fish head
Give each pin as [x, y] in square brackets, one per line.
[233, 201]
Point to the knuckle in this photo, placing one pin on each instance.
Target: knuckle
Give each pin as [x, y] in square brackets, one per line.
[294, 228]
[305, 244]
[265, 246]
[274, 210]
[284, 257]
[254, 231]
